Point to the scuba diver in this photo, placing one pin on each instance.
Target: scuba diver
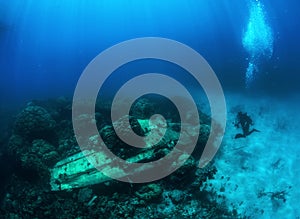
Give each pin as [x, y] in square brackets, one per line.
[244, 121]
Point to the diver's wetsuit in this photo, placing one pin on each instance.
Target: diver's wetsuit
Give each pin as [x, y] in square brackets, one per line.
[245, 122]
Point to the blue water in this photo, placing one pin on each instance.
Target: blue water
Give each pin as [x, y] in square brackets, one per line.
[45, 45]
[252, 46]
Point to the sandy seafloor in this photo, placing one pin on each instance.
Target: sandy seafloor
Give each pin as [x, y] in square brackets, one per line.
[261, 173]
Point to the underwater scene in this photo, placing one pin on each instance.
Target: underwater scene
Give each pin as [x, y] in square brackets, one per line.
[149, 109]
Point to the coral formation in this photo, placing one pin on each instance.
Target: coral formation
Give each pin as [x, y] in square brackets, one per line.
[34, 122]
[43, 136]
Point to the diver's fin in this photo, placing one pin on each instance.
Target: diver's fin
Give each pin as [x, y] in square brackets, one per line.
[253, 130]
[239, 136]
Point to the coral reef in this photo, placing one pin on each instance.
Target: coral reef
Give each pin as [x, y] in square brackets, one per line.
[43, 136]
[34, 122]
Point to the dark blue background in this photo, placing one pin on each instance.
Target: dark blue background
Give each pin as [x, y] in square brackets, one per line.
[46, 44]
